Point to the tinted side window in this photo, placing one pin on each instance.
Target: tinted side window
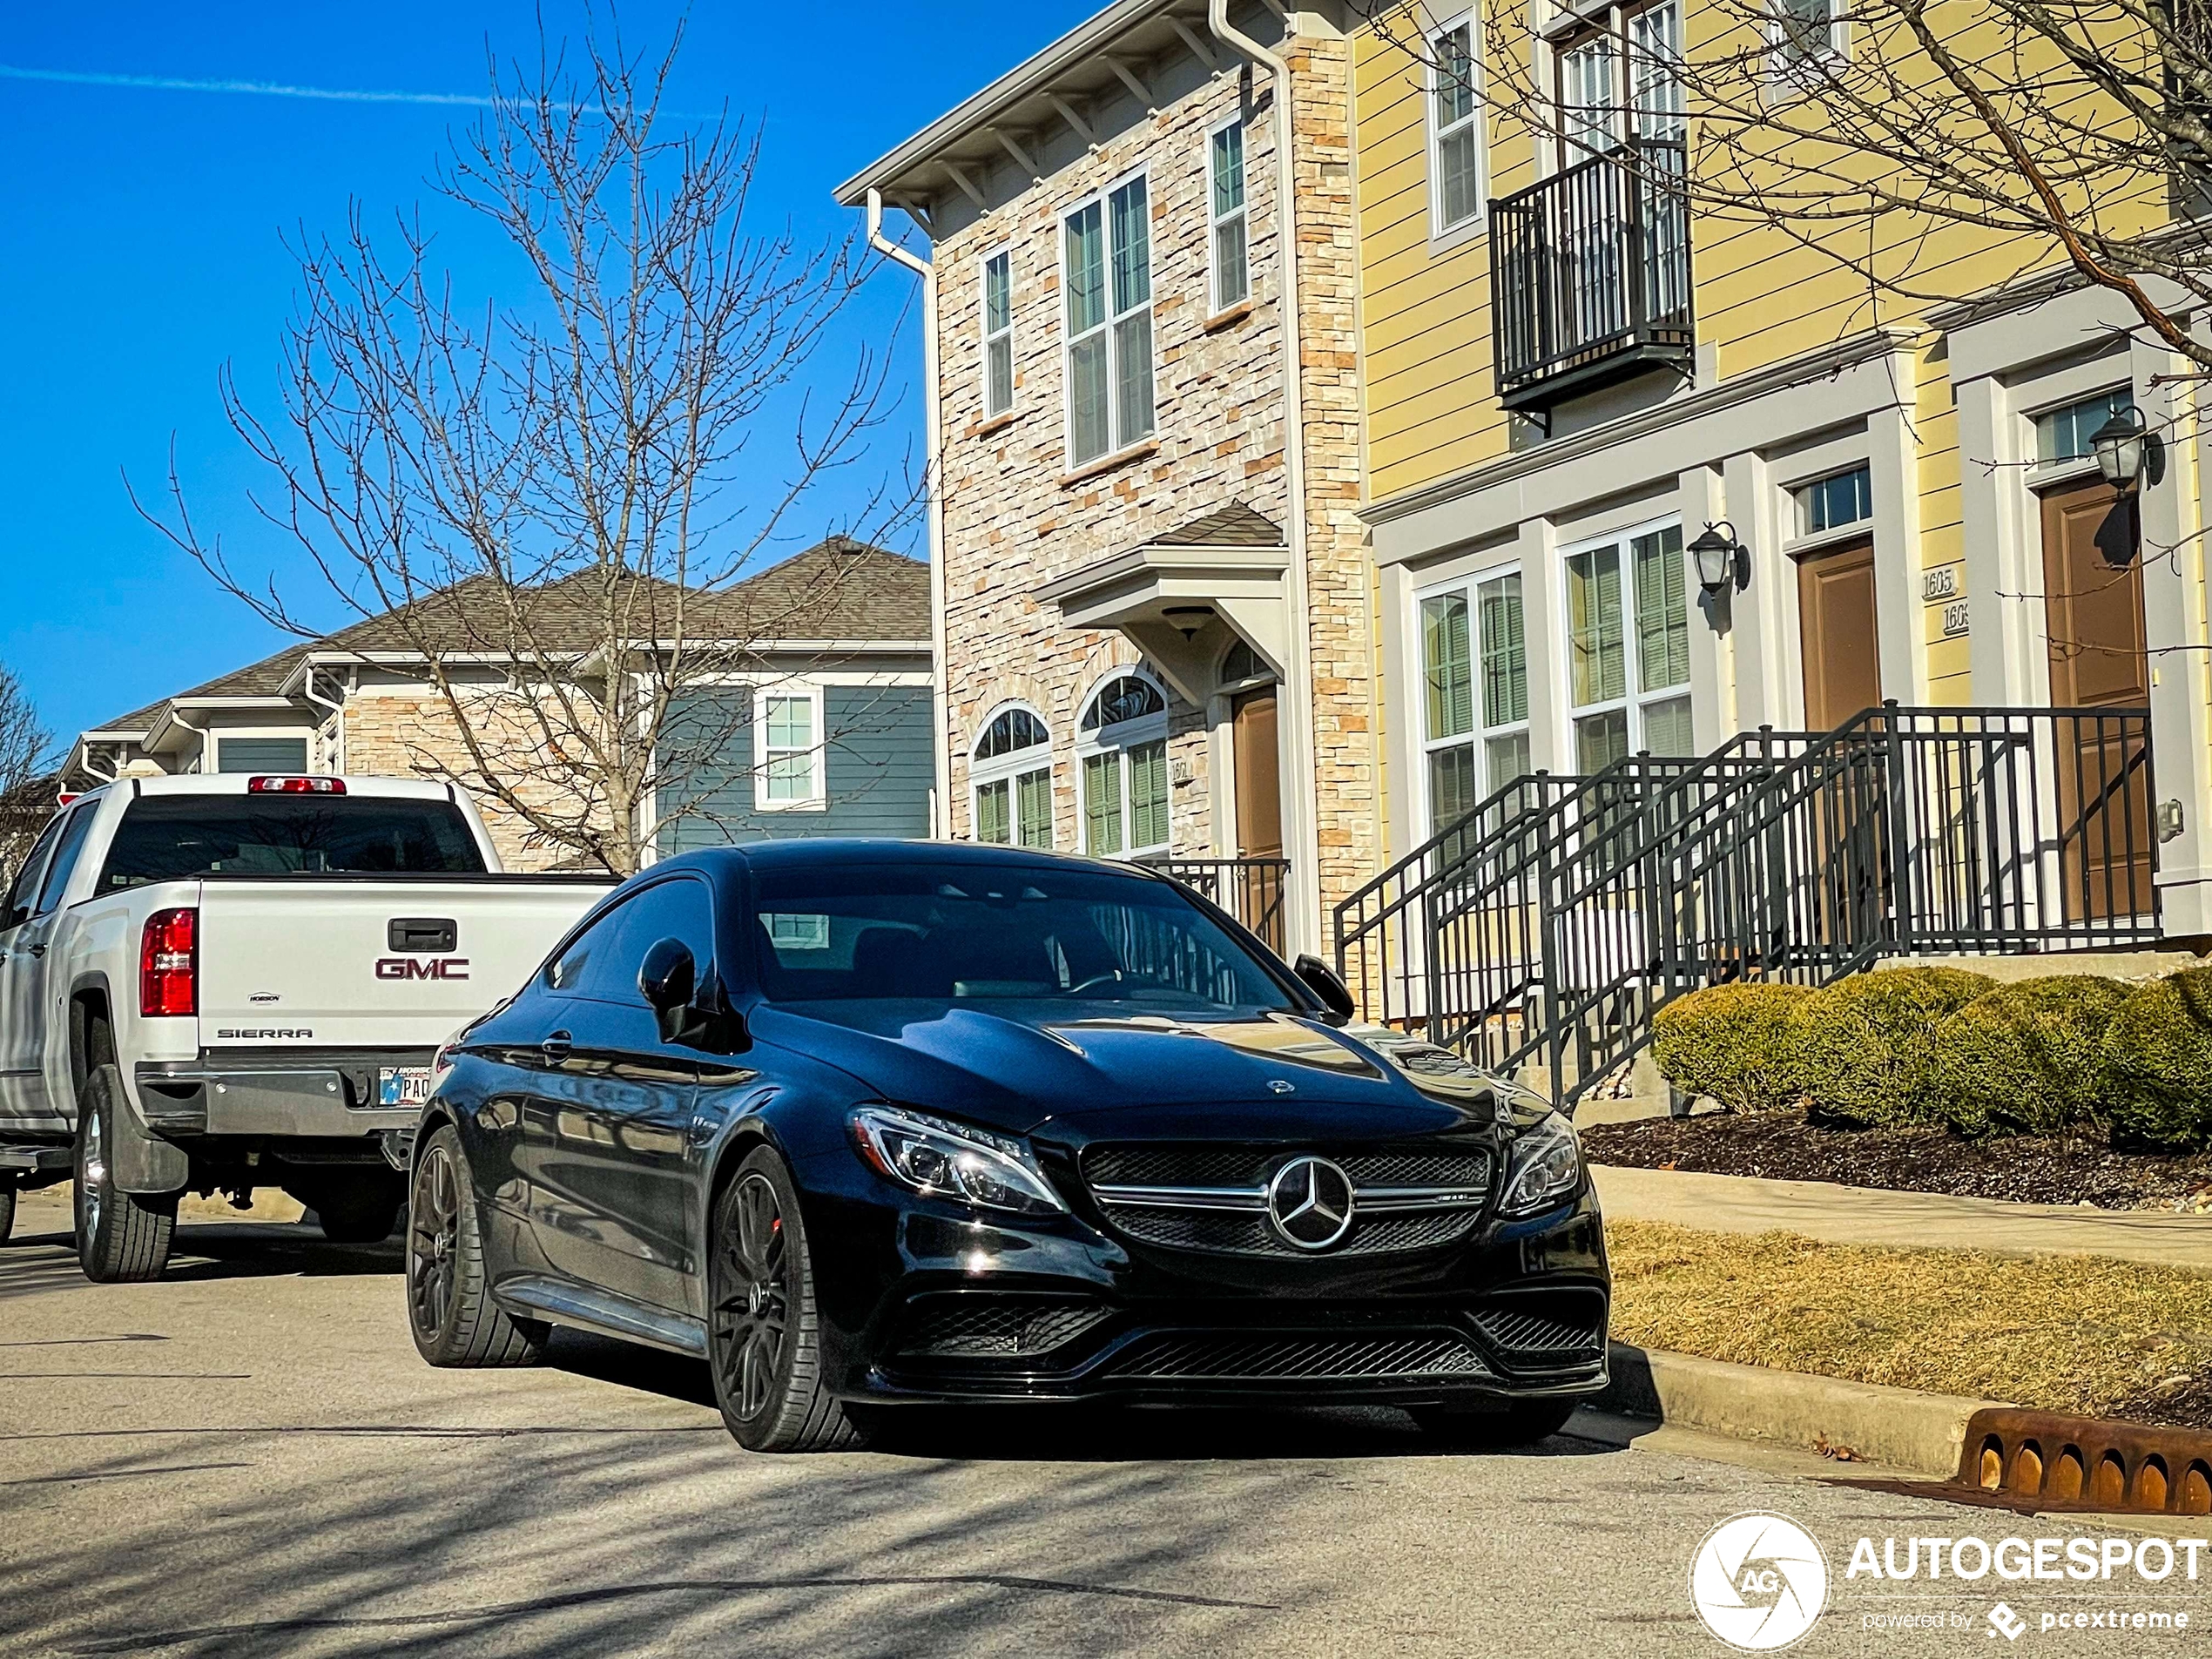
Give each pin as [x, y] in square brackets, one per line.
[603, 963]
[75, 833]
[18, 906]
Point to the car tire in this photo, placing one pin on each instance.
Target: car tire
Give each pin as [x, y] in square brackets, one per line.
[449, 1311]
[1524, 1423]
[362, 1210]
[763, 1334]
[7, 1207]
[122, 1237]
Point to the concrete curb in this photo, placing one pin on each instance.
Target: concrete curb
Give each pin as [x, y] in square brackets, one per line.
[1903, 1428]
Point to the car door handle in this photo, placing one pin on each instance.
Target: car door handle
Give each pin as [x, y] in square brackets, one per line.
[39, 949]
[556, 1047]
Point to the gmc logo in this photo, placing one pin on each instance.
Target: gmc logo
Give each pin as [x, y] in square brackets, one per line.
[415, 967]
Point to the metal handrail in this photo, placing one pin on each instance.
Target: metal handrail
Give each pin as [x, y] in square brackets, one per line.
[1251, 889]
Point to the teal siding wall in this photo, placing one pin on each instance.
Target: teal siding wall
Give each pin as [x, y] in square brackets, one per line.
[877, 752]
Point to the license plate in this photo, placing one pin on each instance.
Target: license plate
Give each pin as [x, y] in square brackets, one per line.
[402, 1085]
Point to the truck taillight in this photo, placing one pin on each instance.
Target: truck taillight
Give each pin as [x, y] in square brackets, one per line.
[169, 964]
[295, 786]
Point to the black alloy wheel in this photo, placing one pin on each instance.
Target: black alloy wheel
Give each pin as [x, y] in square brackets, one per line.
[449, 1310]
[763, 1333]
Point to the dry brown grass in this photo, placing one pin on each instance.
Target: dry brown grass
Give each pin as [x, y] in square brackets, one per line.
[2071, 1334]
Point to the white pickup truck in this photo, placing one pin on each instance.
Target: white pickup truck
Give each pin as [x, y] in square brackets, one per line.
[217, 983]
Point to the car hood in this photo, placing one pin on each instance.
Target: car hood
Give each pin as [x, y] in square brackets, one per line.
[1015, 1065]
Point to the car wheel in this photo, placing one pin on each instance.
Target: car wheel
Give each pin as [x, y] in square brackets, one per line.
[763, 1335]
[1523, 1424]
[7, 1207]
[450, 1312]
[360, 1212]
[122, 1237]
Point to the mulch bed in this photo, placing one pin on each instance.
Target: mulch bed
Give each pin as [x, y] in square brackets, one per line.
[1783, 1146]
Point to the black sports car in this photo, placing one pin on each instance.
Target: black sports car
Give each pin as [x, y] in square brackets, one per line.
[871, 1123]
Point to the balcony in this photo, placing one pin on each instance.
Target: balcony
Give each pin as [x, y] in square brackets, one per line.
[1591, 268]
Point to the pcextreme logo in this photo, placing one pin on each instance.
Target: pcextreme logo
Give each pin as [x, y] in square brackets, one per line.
[417, 968]
[1758, 1581]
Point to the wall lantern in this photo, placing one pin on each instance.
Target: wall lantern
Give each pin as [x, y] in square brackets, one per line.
[1188, 620]
[2126, 451]
[1723, 561]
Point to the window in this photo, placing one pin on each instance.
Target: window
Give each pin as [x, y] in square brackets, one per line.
[788, 730]
[1629, 692]
[1622, 78]
[1455, 127]
[1108, 258]
[2063, 434]
[1225, 166]
[1475, 665]
[1830, 503]
[1241, 662]
[602, 963]
[998, 334]
[24, 888]
[1805, 31]
[1011, 773]
[1122, 743]
[180, 838]
[66, 857]
[261, 754]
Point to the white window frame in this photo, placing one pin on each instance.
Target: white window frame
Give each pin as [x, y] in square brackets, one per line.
[1636, 696]
[1010, 769]
[1802, 533]
[213, 740]
[1242, 211]
[1478, 221]
[1117, 740]
[817, 798]
[1118, 440]
[988, 336]
[1789, 68]
[2041, 473]
[1479, 735]
[1623, 118]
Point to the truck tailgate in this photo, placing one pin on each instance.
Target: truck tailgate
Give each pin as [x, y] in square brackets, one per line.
[370, 964]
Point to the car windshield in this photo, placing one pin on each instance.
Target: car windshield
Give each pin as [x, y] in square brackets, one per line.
[175, 838]
[978, 932]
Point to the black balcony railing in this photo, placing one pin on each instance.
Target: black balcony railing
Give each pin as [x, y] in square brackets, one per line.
[1547, 927]
[1248, 889]
[1591, 270]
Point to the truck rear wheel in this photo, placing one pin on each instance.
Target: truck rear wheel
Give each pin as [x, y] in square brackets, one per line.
[449, 1310]
[122, 1237]
[7, 1206]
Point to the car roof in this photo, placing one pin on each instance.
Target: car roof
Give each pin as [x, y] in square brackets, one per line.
[847, 852]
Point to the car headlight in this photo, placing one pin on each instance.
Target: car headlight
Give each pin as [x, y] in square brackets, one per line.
[947, 1160]
[1546, 1166]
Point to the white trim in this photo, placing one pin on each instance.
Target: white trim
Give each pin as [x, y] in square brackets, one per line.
[983, 263]
[1635, 696]
[1216, 304]
[1790, 76]
[1118, 739]
[1117, 439]
[1477, 221]
[817, 798]
[1479, 735]
[1010, 769]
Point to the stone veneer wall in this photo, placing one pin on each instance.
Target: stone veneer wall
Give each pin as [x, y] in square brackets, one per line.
[1014, 519]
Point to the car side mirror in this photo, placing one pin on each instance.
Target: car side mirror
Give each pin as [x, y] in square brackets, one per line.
[666, 980]
[1326, 983]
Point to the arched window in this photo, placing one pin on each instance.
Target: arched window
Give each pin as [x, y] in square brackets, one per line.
[1242, 663]
[1010, 774]
[1122, 743]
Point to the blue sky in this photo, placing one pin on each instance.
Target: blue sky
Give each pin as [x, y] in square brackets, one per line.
[143, 253]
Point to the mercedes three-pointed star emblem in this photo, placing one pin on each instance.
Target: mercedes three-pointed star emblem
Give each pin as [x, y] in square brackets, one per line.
[1310, 1203]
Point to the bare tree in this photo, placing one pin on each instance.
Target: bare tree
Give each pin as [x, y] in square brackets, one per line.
[28, 785]
[1892, 135]
[540, 499]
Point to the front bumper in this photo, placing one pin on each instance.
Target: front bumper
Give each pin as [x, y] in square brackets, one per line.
[924, 1304]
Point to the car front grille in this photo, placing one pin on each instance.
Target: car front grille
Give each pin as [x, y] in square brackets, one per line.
[1226, 1357]
[983, 1325]
[1214, 1198]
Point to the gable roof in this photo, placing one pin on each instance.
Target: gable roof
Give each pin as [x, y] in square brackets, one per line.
[1234, 525]
[839, 589]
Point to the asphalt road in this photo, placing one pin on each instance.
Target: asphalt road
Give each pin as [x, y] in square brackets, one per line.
[248, 1458]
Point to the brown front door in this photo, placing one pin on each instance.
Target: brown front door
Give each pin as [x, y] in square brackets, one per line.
[2092, 587]
[1259, 775]
[1836, 626]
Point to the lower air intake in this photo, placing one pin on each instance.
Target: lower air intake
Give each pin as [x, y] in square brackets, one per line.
[1220, 1356]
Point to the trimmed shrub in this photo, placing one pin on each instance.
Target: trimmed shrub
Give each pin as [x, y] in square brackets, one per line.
[2158, 1051]
[1867, 1043]
[1731, 1042]
[2026, 1058]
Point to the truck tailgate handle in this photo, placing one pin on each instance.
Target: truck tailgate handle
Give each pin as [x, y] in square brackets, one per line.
[555, 1048]
[422, 935]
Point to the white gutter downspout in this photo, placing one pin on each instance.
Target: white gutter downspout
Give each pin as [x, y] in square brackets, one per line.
[200, 732]
[337, 710]
[940, 739]
[1306, 930]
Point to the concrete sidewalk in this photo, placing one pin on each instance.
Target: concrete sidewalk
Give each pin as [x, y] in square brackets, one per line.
[1872, 1216]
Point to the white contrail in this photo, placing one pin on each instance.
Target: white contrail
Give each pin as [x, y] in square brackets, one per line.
[265, 89]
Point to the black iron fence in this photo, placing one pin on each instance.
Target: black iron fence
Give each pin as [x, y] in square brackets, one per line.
[1592, 262]
[1250, 889]
[1548, 926]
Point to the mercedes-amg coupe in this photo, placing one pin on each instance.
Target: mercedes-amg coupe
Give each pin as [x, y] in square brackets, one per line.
[865, 1124]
